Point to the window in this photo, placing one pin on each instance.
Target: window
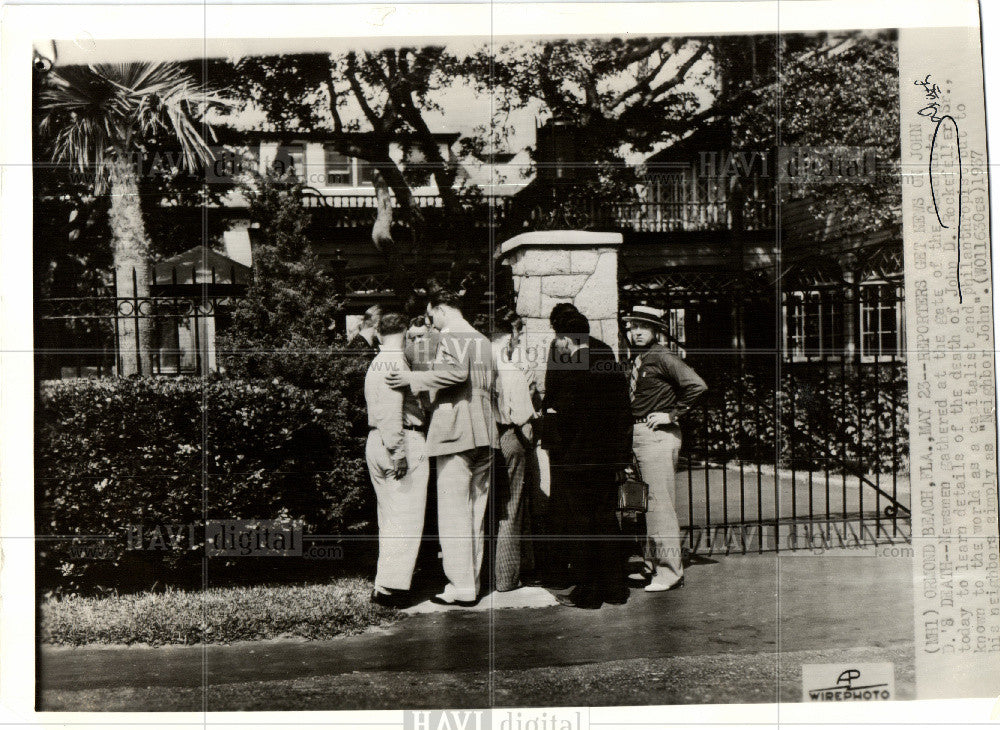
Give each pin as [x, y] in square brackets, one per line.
[338, 169]
[675, 337]
[292, 158]
[881, 324]
[813, 325]
[366, 173]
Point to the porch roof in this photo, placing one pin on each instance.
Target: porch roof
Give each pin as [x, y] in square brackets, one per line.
[201, 266]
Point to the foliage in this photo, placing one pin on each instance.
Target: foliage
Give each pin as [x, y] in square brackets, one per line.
[99, 115]
[72, 238]
[632, 96]
[848, 417]
[283, 328]
[635, 91]
[291, 296]
[153, 452]
[369, 101]
[97, 122]
[215, 615]
[835, 91]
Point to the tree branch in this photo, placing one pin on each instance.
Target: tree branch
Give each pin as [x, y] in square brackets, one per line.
[623, 61]
[550, 92]
[338, 123]
[352, 78]
[678, 77]
[642, 83]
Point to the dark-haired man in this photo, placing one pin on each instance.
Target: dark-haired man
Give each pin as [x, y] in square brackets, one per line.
[589, 444]
[397, 463]
[460, 437]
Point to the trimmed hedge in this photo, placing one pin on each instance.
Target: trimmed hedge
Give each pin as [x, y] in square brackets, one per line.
[117, 453]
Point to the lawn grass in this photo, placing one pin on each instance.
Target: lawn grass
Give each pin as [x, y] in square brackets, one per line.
[215, 615]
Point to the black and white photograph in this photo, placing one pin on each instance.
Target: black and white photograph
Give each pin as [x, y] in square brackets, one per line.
[464, 373]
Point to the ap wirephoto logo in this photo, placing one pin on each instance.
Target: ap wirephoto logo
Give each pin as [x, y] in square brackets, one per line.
[853, 682]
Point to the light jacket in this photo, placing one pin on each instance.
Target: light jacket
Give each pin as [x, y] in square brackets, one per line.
[460, 382]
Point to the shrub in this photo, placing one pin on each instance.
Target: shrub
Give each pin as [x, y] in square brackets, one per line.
[152, 452]
[847, 417]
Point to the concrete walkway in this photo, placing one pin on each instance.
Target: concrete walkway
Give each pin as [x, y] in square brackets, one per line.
[739, 630]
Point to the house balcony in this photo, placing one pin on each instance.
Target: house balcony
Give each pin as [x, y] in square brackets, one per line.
[360, 211]
[516, 216]
[668, 217]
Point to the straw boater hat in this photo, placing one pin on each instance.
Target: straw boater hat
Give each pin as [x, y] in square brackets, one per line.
[647, 315]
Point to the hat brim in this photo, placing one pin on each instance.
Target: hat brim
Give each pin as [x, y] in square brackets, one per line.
[651, 321]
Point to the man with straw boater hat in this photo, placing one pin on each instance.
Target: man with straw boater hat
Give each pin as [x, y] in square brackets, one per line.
[662, 388]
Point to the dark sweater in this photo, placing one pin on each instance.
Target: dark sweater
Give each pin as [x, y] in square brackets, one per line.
[665, 385]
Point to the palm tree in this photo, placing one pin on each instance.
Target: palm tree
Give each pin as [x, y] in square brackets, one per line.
[98, 118]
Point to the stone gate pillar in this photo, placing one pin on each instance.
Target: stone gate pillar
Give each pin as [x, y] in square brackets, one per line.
[549, 267]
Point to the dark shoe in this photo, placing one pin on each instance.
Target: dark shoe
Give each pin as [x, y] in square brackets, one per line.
[617, 597]
[391, 600]
[579, 599]
[634, 581]
[639, 574]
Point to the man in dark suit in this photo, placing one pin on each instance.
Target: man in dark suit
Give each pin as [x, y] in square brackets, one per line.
[589, 443]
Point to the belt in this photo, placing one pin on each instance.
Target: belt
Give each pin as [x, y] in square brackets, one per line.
[418, 429]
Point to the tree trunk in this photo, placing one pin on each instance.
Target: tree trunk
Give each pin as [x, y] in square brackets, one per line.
[132, 269]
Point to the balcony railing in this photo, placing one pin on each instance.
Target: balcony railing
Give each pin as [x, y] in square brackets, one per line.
[663, 217]
[359, 211]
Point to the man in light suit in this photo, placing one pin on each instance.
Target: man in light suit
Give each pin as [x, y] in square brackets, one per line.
[397, 463]
[460, 437]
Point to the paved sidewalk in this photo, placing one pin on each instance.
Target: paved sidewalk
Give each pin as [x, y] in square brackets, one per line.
[737, 631]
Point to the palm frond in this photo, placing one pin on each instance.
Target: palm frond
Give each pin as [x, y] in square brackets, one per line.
[104, 111]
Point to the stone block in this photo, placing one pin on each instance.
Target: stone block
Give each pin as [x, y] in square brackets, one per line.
[543, 262]
[583, 262]
[598, 298]
[597, 302]
[609, 332]
[529, 297]
[563, 285]
[515, 262]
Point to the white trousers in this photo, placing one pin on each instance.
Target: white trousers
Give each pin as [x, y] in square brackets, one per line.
[463, 484]
[401, 504]
[657, 452]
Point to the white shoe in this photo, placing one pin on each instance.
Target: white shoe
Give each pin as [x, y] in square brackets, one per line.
[658, 586]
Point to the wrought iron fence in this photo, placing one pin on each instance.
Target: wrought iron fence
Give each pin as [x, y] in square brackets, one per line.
[802, 438]
[83, 335]
[779, 455]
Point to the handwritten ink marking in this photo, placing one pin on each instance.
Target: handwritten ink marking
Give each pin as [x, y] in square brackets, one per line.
[930, 171]
[932, 92]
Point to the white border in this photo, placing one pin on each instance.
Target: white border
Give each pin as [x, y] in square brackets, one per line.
[22, 24]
